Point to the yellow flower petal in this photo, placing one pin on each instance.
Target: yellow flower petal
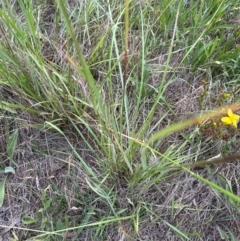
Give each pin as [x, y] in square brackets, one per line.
[234, 120]
[226, 120]
[235, 117]
[230, 113]
[235, 124]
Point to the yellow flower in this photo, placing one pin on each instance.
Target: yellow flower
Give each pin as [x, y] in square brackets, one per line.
[226, 95]
[231, 119]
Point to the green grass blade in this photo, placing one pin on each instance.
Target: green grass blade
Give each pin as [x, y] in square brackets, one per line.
[2, 191]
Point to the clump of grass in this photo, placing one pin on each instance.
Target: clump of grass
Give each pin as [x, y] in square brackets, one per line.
[104, 93]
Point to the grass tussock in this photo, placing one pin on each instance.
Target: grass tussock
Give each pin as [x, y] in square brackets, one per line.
[111, 120]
